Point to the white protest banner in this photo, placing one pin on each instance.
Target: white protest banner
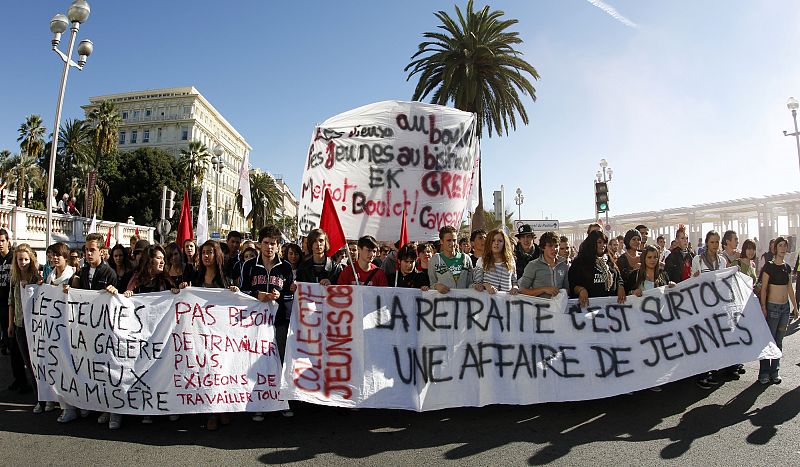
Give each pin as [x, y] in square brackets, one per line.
[382, 158]
[403, 348]
[202, 350]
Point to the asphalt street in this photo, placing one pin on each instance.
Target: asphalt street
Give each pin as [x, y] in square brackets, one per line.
[738, 423]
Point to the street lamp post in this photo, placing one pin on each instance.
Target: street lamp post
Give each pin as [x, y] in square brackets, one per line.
[77, 13]
[604, 176]
[519, 199]
[792, 105]
[219, 165]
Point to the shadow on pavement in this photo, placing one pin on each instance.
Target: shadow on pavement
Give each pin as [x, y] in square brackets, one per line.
[556, 428]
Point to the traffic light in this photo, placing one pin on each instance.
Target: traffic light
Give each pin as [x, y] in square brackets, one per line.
[170, 203]
[601, 196]
[498, 205]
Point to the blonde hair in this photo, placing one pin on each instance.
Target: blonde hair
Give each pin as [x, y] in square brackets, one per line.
[506, 256]
[33, 266]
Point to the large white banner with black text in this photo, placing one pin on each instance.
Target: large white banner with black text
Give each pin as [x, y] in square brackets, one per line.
[403, 348]
[202, 350]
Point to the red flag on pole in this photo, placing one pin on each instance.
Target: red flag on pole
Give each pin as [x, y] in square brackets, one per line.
[108, 238]
[137, 231]
[329, 222]
[185, 222]
[403, 231]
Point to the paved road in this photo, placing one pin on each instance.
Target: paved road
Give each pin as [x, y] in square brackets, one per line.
[739, 423]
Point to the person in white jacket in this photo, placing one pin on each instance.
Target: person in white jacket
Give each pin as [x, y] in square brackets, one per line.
[60, 275]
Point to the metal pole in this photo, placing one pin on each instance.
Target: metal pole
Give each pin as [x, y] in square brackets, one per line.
[54, 145]
[605, 180]
[216, 205]
[796, 134]
[191, 179]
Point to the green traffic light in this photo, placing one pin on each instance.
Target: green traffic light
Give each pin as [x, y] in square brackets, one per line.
[603, 206]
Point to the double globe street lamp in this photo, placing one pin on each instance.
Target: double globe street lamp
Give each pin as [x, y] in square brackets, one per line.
[77, 14]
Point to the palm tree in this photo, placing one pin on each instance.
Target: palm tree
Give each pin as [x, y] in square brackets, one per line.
[23, 174]
[474, 65]
[75, 154]
[103, 128]
[266, 198]
[31, 139]
[194, 161]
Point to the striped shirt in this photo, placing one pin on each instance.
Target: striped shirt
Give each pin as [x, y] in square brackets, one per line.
[499, 276]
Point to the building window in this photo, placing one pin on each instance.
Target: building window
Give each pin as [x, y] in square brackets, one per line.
[186, 109]
[124, 115]
[122, 137]
[146, 136]
[184, 133]
[136, 115]
[147, 112]
[158, 136]
[134, 133]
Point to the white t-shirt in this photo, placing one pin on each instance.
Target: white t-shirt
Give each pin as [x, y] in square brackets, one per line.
[91, 274]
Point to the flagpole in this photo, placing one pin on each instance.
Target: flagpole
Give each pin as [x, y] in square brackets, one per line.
[352, 264]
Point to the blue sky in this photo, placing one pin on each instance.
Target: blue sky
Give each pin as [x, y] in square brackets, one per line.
[688, 107]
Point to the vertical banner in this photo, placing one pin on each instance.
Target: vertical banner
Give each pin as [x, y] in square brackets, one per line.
[403, 348]
[91, 182]
[382, 158]
[201, 350]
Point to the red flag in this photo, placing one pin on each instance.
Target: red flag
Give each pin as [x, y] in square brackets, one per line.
[329, 222]
[185, 222]
[403, 231]
[108, 238]
[137, 232]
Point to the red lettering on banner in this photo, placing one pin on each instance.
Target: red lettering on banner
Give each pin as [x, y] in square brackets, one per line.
[338, 337]
[451, 185]
[384, 207]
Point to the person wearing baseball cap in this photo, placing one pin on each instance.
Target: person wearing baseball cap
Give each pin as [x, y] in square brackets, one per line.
[525, 251]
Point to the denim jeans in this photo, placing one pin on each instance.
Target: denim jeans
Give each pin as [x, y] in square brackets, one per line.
[777, 320]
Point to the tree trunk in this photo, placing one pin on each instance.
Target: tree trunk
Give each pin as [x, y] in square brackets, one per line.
[478, 219]
[20, 186]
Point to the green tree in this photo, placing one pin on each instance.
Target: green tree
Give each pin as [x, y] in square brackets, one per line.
[195, 158]
[24, 175]
[31, 139]
[266, 198]
[135, 184]
[104, 123]
[473, 64]
[74, 156]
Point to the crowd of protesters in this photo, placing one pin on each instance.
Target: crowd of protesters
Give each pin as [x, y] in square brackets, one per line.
[489, 262]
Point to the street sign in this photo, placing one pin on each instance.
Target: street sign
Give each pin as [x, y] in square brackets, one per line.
[215, 236]
[540, 225]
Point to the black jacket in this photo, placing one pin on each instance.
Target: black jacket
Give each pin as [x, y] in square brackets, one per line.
[522, 258]
[587, 275]
[256, 278]
[307, 273]
[675, 262]
[415, 280]
[104, 276]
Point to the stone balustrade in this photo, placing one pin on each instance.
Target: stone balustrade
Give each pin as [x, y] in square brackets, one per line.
[30, 226]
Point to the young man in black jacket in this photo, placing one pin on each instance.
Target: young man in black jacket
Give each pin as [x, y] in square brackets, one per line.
[407, 276]
[268, 277]
[94, 275]
[20, 382]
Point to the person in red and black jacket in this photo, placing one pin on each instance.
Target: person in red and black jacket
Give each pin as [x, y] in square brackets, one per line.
[678, 264]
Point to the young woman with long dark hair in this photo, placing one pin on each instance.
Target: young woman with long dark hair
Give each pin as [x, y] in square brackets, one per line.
[777, 300]
[592, 274]
[122, 265]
